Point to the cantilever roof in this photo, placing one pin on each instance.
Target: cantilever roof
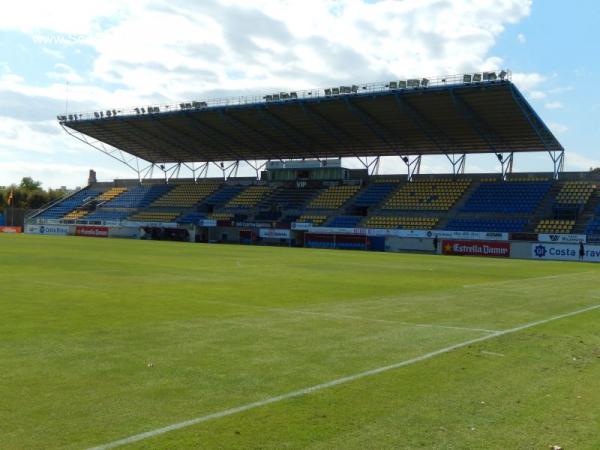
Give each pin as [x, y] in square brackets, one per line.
[458, 118]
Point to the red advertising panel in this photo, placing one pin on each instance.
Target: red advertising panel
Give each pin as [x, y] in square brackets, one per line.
[476, 248]
[91, 231]
[11, 230]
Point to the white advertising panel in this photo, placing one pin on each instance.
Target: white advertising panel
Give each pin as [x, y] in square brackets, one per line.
[565, 252]
[574, 238]
[272, 233]
[47, 229]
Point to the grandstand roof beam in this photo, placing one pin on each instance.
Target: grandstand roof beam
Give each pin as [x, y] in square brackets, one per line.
[543, 133]
[158, 138]
[113, 152]
[439, 139]
[293, 133]
[224, 137]
[331, 129]
[413, 166]
[263, 137]
[366, 119]
[458, 162]
[476, 122]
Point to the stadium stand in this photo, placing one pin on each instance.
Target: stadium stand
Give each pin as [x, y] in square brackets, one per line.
[193, 217]
[555, 226]
[223, 195]
[316, 220]
[334, 197]
[110, 194]
[221, 216]
[494, 225]
[64, 207]
[510, 197]
[374, 194]
[408, 223]
[154, 216]
[439, 194]
[138, 197]
[249, 198]
[186, 195]
[345, 221]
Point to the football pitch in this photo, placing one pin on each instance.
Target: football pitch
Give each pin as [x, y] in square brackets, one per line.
[146, 345]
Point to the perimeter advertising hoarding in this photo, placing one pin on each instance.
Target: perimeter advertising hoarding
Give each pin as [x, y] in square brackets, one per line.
[91, 231]
[476, 248]
[10, 230]
[272, 233]
[47, 229]
[567, 238]
[565, 252]
[441, 234]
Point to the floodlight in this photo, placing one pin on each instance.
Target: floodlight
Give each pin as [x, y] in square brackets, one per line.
[335, 91]
[499, 156]
[402, 84]
[414, 83]
[114, 112]
[268, 98]
[492, 76]
[137, 110]
[70, 116]
[328, 92]
[467, 78]
[393, 85]
[293, 95]
[405, 159]
[182, 105]
[354, 88]
[96, 115]
[143, 111]
[424, 82]
[502, 74]
[108, 113]
[284, 95]
[476, 77]
[275, 97]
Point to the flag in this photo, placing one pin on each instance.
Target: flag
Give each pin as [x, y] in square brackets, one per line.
[9, 200]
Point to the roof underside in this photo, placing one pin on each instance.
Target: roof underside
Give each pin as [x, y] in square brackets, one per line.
[474, 118]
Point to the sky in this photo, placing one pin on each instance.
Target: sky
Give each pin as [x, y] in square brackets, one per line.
[79, 56]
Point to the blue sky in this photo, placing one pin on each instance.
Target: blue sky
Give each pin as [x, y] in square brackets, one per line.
[114, 54]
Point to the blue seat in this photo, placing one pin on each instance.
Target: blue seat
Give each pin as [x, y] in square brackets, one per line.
[345, 221]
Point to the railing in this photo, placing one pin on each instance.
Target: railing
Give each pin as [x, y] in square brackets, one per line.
[351, 89]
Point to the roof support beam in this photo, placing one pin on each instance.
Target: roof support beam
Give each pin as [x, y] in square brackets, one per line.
[331, 129]
[158, 138]
[211, 131]
[133, 162]
[247, 129]
[477, 123]
[437, 137]
[301, 141]
[542, 132]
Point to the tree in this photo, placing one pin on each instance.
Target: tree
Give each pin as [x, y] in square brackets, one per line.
[595, 169]
[28, 184]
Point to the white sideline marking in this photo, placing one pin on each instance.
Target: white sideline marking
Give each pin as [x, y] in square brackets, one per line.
[485, 352]
[368, 319]
[517, 280]
[332, 383]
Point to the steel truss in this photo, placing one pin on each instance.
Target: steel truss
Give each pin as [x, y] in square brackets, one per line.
[413, 166]
[458, 162]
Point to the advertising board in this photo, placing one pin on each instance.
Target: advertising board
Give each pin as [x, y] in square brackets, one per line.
[47, 229]
[91, 231]
[476, 248]
[272, 233]
[565, 252]
[5, 229]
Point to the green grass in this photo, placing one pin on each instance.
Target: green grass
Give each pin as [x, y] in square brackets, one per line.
[224, 326]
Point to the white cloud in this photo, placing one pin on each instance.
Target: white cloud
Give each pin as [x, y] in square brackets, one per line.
[579, 162]
[159, 51]
[558, 128]
[521, 38]
[554, 105]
